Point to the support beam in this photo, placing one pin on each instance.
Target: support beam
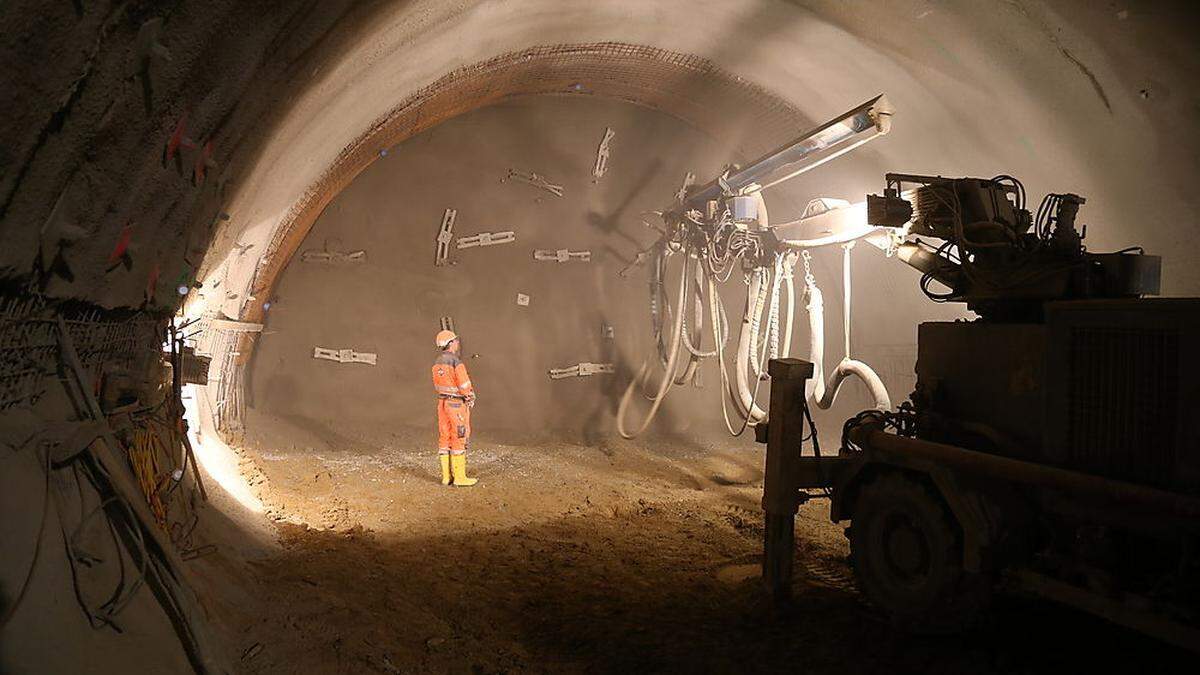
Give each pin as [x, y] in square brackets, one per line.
[780, 501]
[1129, 495]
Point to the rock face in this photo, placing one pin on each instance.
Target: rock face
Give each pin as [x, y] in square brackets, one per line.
[391, 303]
[123, 130]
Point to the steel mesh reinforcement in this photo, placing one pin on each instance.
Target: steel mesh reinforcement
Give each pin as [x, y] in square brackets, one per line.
[29, 345]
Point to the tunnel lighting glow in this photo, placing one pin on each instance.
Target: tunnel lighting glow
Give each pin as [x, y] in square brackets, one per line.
[218, 460]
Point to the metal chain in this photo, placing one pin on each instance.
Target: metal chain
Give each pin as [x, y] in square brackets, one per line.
[808, 275]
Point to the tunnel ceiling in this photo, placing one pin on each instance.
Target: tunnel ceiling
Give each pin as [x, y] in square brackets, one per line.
[278, 104]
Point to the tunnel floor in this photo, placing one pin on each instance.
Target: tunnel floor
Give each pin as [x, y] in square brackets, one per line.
[571, 558]
[559, 555]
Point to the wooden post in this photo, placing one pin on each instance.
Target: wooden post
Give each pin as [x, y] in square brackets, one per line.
[780, 492]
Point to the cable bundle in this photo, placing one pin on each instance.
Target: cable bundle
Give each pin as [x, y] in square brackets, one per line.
[148, 444]
[710, 255]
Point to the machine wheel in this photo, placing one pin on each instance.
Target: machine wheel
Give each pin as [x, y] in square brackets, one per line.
[907, 556]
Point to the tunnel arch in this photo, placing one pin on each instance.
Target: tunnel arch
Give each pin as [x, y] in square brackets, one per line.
[803, 62]
[684, 86]
[687, 87]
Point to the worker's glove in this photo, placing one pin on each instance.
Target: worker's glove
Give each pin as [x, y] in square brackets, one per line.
[471, 402]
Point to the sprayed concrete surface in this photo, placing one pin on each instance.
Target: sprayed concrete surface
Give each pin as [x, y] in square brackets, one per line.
[391, 303]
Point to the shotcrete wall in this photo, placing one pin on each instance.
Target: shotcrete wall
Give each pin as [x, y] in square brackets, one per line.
[391, 303]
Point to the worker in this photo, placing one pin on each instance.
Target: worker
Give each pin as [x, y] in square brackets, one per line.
[456, 397]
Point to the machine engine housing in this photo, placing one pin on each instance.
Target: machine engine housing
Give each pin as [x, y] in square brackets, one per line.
[1102, 386]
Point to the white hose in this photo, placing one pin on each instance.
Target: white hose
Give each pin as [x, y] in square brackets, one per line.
[695, 356]
[790, 283]
[755, 297]
[771, 343]
[748, 336]
[697, 324]
[718, 317]
[764, 285]
[668, 375]
[757, 339]
[693, 363]
[824, 395]
[765, 347]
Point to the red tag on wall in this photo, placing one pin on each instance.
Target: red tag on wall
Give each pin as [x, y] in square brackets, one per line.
[122, 246]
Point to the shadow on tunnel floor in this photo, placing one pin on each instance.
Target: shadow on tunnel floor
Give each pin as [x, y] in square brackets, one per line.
[668, 587]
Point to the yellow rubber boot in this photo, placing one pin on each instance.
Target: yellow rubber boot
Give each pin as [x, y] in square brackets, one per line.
[445, 460]
[460, 471]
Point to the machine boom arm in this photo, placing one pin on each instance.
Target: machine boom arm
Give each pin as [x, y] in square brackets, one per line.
[812, 149]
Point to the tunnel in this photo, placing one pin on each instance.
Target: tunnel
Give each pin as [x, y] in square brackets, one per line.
[221, 283]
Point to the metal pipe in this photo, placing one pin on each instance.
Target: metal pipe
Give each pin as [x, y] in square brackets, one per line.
[832, 139]
[1019, 471]
[924, 258]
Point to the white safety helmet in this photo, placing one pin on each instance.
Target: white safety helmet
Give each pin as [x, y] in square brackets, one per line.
[444, 338]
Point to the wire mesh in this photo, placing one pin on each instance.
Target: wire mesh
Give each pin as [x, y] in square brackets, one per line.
[29, 345]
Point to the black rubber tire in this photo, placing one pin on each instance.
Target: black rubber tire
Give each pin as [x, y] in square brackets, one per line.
[907, 555]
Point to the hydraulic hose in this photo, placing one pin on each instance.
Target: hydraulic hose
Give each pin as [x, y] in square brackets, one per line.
[692, 344]
[691, 279]
[719, 318]
[768, 346]
[755, 325]
[789, 263]
[755, 297]
[659, 310]
[669, 370]
[764, 285]
[822, 394]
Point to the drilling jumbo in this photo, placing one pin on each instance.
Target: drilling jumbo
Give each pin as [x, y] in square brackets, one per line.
[1046, 447]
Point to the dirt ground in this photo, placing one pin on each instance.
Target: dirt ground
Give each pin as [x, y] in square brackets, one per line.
[565, 558]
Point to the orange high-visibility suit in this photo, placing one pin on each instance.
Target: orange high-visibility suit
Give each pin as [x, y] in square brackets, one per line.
[455, 394]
